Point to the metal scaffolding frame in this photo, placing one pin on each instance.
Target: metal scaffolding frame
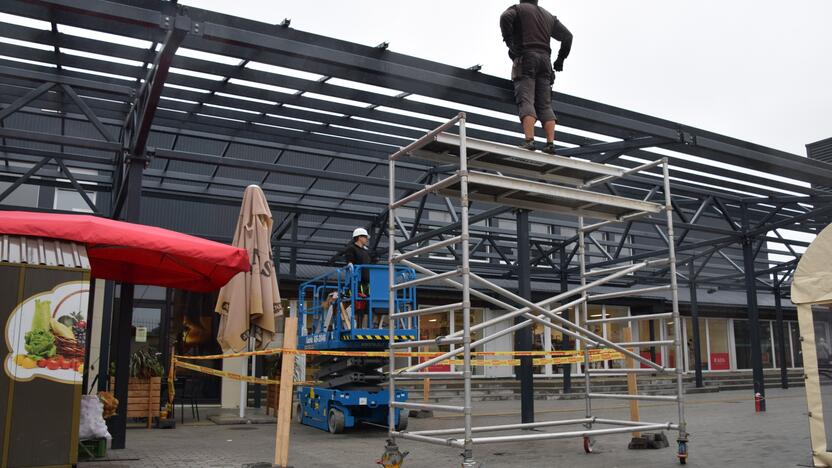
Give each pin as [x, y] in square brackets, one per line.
[525, 180]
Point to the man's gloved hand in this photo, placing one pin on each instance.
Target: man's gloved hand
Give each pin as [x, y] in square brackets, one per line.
[350, 266]
[558, 65]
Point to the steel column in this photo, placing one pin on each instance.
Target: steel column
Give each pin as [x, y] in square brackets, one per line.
[523, 337]
[122, 332]
[694, 316]
[753, 312]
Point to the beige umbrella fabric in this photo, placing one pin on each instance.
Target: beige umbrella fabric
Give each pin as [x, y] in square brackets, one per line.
[812, 285]
[250, 302]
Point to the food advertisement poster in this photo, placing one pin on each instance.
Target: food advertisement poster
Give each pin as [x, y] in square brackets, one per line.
[46, 335]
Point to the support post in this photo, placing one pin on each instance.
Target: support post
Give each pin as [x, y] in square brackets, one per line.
[523, 337]
[106, 332]
[632, 380]
[694, 320]
[136, 159]
[122, 335]
[781, 339]
[284, 402]
[565, 346]
[753, 312]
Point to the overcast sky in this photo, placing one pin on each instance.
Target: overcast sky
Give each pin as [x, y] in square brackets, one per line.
[759, 70]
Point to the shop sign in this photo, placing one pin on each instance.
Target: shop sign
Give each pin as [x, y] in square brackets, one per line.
[720, 361]
[46, 335]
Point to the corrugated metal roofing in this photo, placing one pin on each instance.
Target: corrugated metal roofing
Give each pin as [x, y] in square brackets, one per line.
[820, 150]
[41, 251]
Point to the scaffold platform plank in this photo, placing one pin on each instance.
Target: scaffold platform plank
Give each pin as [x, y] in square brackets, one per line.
[486, 155]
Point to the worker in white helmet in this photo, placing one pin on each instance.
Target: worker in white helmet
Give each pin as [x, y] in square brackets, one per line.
[358, 254]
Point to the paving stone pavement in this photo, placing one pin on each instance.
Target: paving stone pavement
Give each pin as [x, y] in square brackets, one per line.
[725, 433]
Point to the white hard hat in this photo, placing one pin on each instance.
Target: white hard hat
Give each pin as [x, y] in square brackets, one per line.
[360, 232]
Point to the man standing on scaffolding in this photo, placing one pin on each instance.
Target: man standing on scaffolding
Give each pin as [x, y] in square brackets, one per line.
[527, 31]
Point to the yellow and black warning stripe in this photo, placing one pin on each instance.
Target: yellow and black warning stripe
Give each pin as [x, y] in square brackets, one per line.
[377, 337]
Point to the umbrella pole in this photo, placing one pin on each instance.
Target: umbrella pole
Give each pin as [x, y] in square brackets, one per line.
[243, 384]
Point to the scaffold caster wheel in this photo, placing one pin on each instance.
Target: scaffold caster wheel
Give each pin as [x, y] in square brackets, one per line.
[587, 444]
[683, 452]
[392, 457]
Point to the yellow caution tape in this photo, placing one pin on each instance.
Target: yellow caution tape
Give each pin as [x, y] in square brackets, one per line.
[429, 354]
[565, 357]
[233, 376]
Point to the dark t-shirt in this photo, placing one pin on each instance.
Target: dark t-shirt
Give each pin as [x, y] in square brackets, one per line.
[359, 256]
[526, 27]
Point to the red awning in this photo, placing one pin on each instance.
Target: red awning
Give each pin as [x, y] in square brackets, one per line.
[134, 253]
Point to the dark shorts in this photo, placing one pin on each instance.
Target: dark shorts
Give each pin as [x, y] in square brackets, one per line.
[533, 77]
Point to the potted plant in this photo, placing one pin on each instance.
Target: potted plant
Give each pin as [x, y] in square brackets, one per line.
[145, 386]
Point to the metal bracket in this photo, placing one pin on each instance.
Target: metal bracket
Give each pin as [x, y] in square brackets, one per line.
[166, 22]
[686, 138]
[145, 158]
[196, 28]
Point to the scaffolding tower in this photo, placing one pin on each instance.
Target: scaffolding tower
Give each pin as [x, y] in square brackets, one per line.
[498, 174]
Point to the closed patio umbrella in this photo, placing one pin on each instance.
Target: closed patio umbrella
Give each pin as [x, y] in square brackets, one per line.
[250, 302]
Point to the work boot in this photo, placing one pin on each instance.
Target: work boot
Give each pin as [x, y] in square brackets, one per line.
[549, 148]
[528, 145]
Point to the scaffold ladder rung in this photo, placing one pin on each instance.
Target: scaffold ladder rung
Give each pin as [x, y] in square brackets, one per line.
[429, 375]
[438, 342]
[633, 318]
[627, 370]
[429, 310]
[624, 396]
[426, 279]
[428, 406]
[428, 248]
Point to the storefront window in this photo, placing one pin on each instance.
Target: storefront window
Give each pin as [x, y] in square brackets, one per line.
[557, 339]
[785, 332]
[147, 322]
[650, 330]
[794, 331]
[720, 357]
[669, 352]
[539, 344]
[476, 317]
[193, 331]
[742, 344]
[430, 327]
[690, 357]
[615, 331]
[766, 347]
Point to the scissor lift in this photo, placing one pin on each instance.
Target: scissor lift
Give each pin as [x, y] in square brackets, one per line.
[349, 388]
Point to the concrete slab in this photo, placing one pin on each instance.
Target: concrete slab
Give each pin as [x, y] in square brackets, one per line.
[725, 431]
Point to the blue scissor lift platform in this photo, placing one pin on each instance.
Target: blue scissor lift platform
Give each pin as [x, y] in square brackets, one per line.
[350, 388]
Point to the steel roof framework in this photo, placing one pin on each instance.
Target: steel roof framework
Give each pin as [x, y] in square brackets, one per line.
[183, 104]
